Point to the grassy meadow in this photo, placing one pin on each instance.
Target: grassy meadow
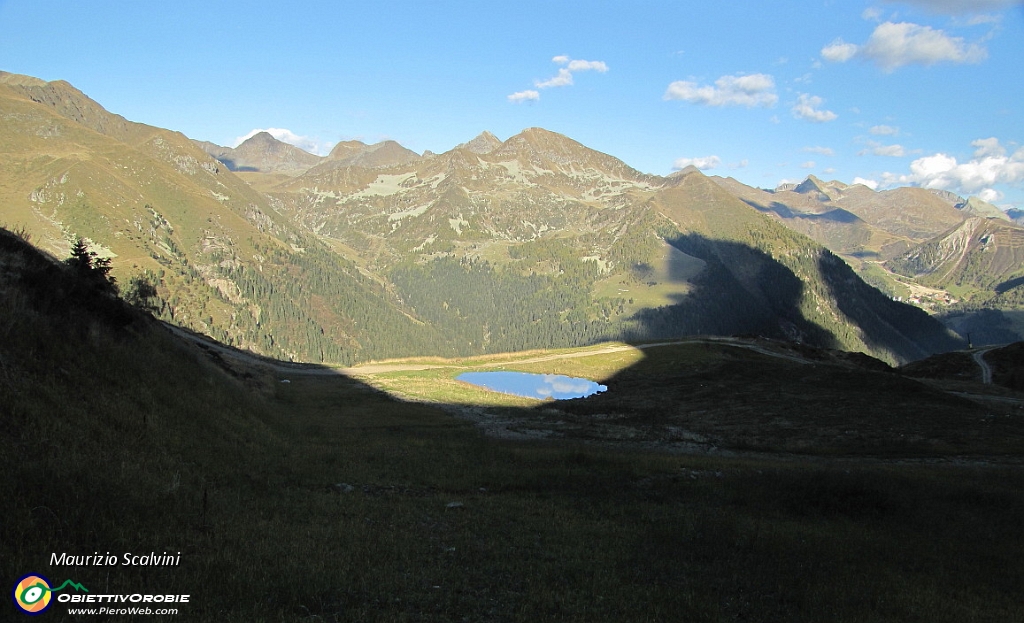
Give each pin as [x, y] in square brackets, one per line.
[329, 499]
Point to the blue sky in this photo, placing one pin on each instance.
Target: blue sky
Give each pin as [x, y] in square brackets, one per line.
[928, 92]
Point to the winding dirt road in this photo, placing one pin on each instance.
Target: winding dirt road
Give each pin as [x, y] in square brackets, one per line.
[300, 369]
[986, 370]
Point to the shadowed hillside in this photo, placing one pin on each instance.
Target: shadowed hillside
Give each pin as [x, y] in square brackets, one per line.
[325, 499]
[741, 290]
[746, 291]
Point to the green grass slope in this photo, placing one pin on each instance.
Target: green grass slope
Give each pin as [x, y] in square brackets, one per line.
[536, 242]
[224, 260]
[324, 500]
[764, 278]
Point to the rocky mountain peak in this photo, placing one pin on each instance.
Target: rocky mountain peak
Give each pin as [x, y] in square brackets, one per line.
[976, 206]
[949, 197]
[688, 169]
[20, 80]
[553, 151]
[358, 154]
[265, 144]
[260, 138]
[72, 104]
[484, 143]
[264, 153]
[810, 185]
[823, 191]
[677, 177]
[385, 154]
[540, 141]
[346, 149]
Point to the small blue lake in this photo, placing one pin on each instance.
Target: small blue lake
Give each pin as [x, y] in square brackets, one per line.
[540, 386]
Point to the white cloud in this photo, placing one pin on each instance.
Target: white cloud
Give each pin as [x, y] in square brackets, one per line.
[978, 20]
[705, 163]
[839, 51]
[895, 151]
[810, 164]
[562, 384]
[884, 130]
[985, 147]
[990, 195]
[877, 149]
[564, 77]
[872, 14]
[305, 143]
[807, 108]
[578, 65]
[524, 96]
[893, 45]
[989, 167]
[740, 90]
[872, 184]
[824, 151]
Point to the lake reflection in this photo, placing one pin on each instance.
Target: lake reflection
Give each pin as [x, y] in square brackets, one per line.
[541, 386]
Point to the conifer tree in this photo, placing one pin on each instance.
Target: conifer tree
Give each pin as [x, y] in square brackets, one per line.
[91, 268]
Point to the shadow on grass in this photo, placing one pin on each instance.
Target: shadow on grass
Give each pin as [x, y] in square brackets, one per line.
[741, 291]
[887, 325]
[323, 499]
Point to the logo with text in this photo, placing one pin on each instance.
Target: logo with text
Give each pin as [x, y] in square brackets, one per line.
[32, 593]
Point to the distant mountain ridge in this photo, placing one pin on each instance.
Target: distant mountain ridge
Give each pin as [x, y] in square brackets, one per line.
[854, 220]
[484, 143]
[377, 155]
[494, 245]
[264, 153]
[541, 186]
[225, 260]
[986, 253]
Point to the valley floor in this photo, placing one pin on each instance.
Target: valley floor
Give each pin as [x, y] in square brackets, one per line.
[327, 498]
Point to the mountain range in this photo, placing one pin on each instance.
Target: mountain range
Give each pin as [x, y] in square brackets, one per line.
[376, 251]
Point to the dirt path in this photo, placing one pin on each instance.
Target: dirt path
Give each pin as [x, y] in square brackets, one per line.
[986, 370]
[604, 350]
[300, 369]
[381, 368]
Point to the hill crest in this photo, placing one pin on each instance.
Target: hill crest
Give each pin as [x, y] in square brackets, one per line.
[376, 249]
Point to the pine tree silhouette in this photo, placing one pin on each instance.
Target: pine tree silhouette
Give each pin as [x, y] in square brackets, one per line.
[92, 269]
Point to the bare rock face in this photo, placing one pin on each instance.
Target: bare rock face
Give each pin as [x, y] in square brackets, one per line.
[949, 197]
[975, 206]
[358, 154]
[822, 191]
[264, 153]
[485, 143]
